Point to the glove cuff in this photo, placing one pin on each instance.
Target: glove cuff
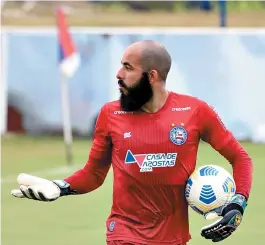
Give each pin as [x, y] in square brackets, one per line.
[238, 202]
[64, 187]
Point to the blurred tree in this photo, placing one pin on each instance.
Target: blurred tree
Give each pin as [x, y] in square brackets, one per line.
[151, 5]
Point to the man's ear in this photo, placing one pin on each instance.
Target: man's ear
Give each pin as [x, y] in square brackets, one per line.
[153, 76]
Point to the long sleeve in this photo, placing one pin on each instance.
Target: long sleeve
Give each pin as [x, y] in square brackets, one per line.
[98, 164]
[222, 140]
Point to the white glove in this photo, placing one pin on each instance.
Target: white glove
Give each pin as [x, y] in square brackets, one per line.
[36, 188]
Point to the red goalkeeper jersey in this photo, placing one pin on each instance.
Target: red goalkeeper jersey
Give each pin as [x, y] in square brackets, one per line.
[152, 155]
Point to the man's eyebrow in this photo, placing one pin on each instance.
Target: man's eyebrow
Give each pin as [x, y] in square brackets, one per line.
[126, 64]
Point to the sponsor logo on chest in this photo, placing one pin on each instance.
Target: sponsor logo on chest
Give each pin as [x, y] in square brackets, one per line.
[147, 162]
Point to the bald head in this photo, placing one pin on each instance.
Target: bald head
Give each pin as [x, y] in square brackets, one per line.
[154, 56]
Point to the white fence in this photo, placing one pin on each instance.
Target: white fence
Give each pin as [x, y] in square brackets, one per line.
[225, 67]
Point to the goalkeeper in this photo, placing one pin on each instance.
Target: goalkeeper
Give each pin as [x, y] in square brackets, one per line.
[150, 137]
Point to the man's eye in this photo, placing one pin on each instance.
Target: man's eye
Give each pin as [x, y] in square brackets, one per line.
[128, 68]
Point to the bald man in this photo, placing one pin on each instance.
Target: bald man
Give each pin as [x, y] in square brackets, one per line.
[150, 137]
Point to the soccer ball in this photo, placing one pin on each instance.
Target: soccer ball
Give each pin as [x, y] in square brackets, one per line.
[209, 187]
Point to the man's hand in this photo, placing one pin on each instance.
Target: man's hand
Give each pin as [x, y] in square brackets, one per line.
[232, 215]
[36, 188]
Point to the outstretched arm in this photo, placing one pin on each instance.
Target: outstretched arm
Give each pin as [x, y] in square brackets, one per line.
[84, 180]
[99, 161]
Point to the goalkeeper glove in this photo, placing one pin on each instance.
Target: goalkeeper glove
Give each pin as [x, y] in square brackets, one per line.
[232, 215]
[36, 188]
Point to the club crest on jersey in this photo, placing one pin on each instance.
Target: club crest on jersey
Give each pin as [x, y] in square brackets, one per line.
[147, 162]
[178, 135]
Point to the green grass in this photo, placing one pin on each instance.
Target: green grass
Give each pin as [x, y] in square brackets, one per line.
[80, 220]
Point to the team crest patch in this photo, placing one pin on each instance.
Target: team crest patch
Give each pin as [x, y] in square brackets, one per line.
[178, 135]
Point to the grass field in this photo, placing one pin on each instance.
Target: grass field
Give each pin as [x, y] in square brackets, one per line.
[120, 19]
[86, 14]
[80, 220]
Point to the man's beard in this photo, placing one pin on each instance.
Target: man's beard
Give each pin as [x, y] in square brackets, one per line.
[137, 95]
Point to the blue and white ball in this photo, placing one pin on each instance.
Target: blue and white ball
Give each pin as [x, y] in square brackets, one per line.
[209, 187]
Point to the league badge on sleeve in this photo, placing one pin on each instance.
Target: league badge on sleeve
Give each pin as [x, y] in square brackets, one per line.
[178, 135]
[111, 226]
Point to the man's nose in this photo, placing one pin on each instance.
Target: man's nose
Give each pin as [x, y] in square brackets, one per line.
[120, 75]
